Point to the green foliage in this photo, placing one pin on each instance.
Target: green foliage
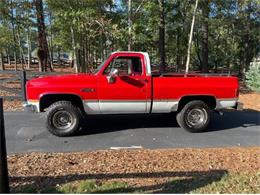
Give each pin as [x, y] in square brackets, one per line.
[89, 186]
[5, 37]
[92, 29]
[253, 77]
[26, 190]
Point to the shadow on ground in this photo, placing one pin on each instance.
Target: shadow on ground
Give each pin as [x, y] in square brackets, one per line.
[102, 124]
[177, 182]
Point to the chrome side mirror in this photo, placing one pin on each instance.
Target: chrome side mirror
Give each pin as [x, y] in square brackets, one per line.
[111, 78]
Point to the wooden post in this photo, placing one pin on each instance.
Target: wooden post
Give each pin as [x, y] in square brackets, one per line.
[4, 179]
[23, 83]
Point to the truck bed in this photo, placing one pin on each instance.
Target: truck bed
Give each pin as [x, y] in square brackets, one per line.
[176, 74]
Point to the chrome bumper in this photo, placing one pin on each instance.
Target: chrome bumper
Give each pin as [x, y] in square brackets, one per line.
[28, 107]
[239, 106]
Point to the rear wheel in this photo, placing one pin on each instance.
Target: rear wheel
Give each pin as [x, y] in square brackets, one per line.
[194, 117]
[63, 118]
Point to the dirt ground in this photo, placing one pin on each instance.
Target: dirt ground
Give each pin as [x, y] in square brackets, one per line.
[251, 101]
[148, 170]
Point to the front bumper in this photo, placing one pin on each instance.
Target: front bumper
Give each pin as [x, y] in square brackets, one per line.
[29, 107]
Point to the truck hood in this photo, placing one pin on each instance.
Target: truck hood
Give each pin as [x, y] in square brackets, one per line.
[64, 80]
[61, 84]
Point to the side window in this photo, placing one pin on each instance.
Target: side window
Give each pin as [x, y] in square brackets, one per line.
[126, 66]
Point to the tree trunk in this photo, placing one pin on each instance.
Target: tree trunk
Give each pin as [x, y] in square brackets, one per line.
[2, 65]
[204, 43]
[42, 41]
[190, 37]
[22, 60]
[59, 60]
[129, 25]
[197, 47]
[248, 43]
[83, 60]
[15, 60]
[50, 51]
[13, 33]
[8, 56]
[129, 46]
[29, 50]
[74, 53]
[178, 52]
[162, 36]
[80, 61]
[86, 55]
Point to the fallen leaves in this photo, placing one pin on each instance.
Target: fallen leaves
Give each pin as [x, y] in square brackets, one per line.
[136, 167]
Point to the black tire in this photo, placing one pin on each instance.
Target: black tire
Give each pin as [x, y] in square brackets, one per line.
[63, 118]
[194, 116]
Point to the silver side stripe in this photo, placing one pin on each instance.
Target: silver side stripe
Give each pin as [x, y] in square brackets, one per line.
[165, 106]
[129, 106]
[141, 106]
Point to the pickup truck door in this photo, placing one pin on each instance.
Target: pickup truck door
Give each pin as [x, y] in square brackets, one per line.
[130, 90]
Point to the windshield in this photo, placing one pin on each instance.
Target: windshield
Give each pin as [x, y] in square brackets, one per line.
[100, 66]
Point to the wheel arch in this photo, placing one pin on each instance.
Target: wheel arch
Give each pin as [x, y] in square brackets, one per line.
[210, 100]
[47, 99]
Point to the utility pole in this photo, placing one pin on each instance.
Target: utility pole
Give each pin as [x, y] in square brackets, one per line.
[4, 179]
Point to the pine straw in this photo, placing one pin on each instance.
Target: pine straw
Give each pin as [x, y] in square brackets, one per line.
[251, 101]
[142, 169]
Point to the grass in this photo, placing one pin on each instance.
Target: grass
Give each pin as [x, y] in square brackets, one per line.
[229, 183]
[90, 186]
[235, 184]
[80, 187]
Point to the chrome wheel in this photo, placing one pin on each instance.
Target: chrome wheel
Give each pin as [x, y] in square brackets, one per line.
[196, 117]
[62, 120]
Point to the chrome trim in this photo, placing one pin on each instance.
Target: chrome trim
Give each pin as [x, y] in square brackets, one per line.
[148, 64]
[196, 117]
[226, 103]
[30, 106]
[88, 90]
[239, 106]
[62, 120]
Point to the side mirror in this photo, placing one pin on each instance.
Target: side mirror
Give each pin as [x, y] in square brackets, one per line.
[111, 78]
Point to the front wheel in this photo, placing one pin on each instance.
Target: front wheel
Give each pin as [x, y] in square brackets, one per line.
[63, 118]
[194, 117]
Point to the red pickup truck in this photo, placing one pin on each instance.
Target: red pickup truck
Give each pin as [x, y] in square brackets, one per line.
[125, 84]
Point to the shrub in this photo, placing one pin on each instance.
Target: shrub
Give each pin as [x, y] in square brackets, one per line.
[253, 77]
